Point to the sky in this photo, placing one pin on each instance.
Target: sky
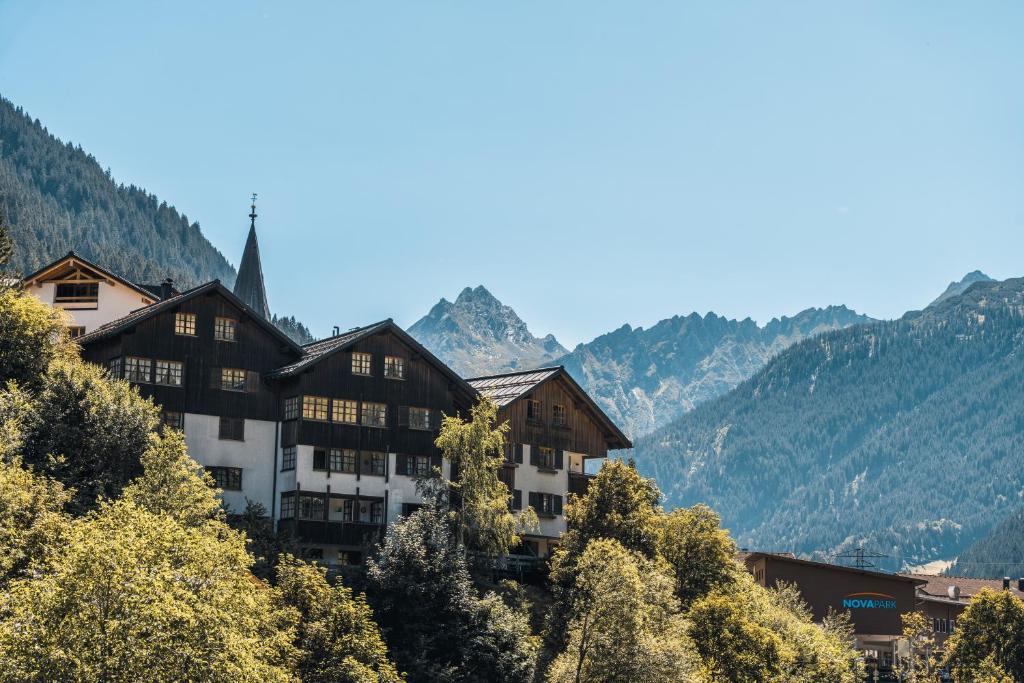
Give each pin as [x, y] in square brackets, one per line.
[590, 163]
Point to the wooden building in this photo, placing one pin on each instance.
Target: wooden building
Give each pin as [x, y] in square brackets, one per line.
[555, 427]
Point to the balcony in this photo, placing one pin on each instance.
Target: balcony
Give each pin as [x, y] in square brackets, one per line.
[354, 534]
[579, 482]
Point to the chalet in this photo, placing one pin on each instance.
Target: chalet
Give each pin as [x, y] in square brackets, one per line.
[90, 294]
[555, 427]
[328, 437]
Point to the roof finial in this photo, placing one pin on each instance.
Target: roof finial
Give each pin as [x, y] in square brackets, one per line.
[253, 214]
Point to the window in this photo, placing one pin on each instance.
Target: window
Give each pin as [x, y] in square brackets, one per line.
[172, 418]
[546, 458]
[362, 363]
[319, 459]
[169, 372]
[288, 458]
[341, 509]
[343, 460]
[534, 410]
[311, 506]
[114, 367]
[224, 328]
[76, 331]
[375, 415]
[227, 478]
[377, 513]
[314, 408]
[547, 504]
[394, 367]
[137, 369]
[232, 379]
[419, 466]
[410, 508]
[345, 411]
[558, 415]
[291, 408]
[287, 505]
[185, 323]
[517, 499]
[375, 463]
[421, 418]
[77, 292]
[232, 429]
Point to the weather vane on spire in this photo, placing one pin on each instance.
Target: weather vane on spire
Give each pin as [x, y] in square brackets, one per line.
[253, 214]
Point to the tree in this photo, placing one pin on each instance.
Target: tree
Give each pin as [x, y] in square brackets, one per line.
[623, 622]
[337, 639]
[87, 431]
[32, 522]
[731, 646]
[265, 543]
[6, 249]
[921, 661]
[32, 335]
[136, 596]
[485, 522]
[436, 627]
[992, 627]
[699, 551]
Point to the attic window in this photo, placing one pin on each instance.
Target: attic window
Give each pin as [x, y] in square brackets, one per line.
[362, 363]
[394, 367]
[534, 410]
[224, 328]
[76, 292]
[558, 415]
[185, 323]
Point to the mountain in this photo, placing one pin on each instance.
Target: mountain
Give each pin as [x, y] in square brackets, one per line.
[903, 436]
[999, 553]
[645, 378]
[958, 288]
[478, 335]
[57, 198]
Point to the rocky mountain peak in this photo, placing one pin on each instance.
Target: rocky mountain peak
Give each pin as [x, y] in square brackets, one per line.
[958, 288]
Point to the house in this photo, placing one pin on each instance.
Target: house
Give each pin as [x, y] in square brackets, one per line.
[91, 295]
[555, 427]
[944, 598]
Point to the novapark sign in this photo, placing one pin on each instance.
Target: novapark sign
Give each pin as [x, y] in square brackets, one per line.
[869, 601]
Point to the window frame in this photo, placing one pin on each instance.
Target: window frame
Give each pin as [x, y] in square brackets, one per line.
[287, 511]
[342, 407]
[546, 457]
[231, 428]
[183, 321]
[90, 293]
[236, 386]
[171, 366]
[219, 326]
[289, 456]
[311, 405]
[165, 419]
[559, 415]
[427, 424]
[291, 408]
[361, 359]
[138, 363]
[534, 410]
[230, 477]
[383, 414]
[391, 362]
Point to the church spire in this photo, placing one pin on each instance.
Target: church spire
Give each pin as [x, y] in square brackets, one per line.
[249, 283]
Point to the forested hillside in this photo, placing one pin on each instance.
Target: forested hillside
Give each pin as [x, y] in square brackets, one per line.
[904, 436]
[57, 198]
[999, 553]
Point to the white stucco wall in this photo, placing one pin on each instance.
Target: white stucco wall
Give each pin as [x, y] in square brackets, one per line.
[529, 479]
[255, 456]
[113, 301]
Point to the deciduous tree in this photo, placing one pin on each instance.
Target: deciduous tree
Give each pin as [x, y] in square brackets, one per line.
[992, 627]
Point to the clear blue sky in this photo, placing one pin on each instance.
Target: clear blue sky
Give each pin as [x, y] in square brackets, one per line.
[591, 163]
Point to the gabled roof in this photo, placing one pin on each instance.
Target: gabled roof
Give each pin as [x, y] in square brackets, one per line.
[145, 313]
[71, 258]
[787, 557]
[317, 351]
[511, 386]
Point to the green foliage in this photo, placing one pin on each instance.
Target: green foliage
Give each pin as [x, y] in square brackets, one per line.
[32, 335]
[136, 596]
[337, 639]
[834, 425]
[32, 523]
[920, 663]
[6, 246]
[623, 622]
[485, 522]
[266, 544]
[699, 551]
[57, 198]
[1000, 552]
[992, 627]
[731, 646]
[436, 626]
[87, 431]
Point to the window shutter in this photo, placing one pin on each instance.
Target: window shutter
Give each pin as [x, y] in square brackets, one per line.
[559, 459]
[534, 452]
[252, 381]
[557, 504]
[534, 499]
[519, 453]
[517, 499]
[403, 416]
[215, 378]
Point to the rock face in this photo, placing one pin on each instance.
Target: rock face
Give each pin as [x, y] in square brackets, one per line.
[478, 335]
[902, 436]
[958, 288]
[645, 378]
